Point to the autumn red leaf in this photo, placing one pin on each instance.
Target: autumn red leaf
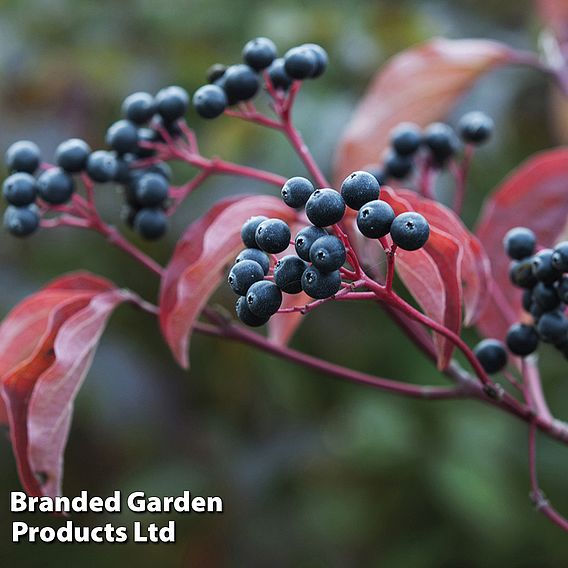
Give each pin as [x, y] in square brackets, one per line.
[421, 85]
[199, 263]
[47, 343]
[532, 196]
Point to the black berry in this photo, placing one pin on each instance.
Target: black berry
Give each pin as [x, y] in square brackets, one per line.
[521, 273]
[278, 76]
[296, 191]
[264, 298]
[288, 274]
[55, 186]
[122, 136]
[139, 107]
[328, 253]
[542, 267]
[241, 82]
[321, 58]
[410, 230]
[552, 327]
[146, 136]
[325, 207]
[562, 289]
[19, 189]
[527, 299]
[21, 221]
[522, 339]
[475, 127]
[23, 156]
[215, 72]
[72, 155]
[248, 231]
[246, 316]
[519, 243]
[406, 138]
[151, 189]
[320, 285]
[257, 255]
[441, 141]
[397, 166]
[546, 296]
[359, 188]
[102, 166]
[492, 355]
[210, 101]
[243, 275]
[300, 62]
[172, 103]
[374, 219]
[259, 53]
[273, 236]
[151, 223]
[560, 257]
[305, 239]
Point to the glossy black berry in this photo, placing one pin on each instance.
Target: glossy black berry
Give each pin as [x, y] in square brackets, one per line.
[320, 285]
[259, 53]
[296, 192]
[562, 289]
[210, 101]
[522, 339]
[325, 207]
[246, 316]
[305, 239]
[248, 231]
[278, 76]
[527, 299]
[328, 253]
[215, 72]
[359, 188]
[264, 298]
[243, 275]
[273, 236]
[21, 221]
[521, 273]
[476, 127]
[172, 103]
[397, 166]
[102, 166]
[560, 257]
[300, 62]
[288, 273]
[542, 267]
[321, 57]
[374, 219]
[257, 255]
[55, 186]
[139, 107]
[552, 327]
[146, 136]
[72, 155]
[23, 156]
[410, 230]
[122, 136]
[441, 141]
[151, 189]
[492, 355]
[519, 242]
[406, 138]
[19, 189]
[546, 296]
[151, 223]
[241, 82]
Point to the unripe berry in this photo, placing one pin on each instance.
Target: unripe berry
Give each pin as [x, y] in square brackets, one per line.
[23, 156]
[241, 82]
[264, 298]
[102, 166]
[300, 62]
[257, 255]
[522, 339]
[21, 221]
[55, 186]
[476, 127]
[325, 207]
[248, 231]
[246, 316]
[139, 107]
[519, 242]
[410, 230]
[210, 101]
[288, 273]
[172, 103]
[305, 239]
[72, 155]
[19, 189]
[374, 219]
[328, 253]
[296, 191]
[359, 188]
[243, 275]
[320, 285]
[151, 223]
[406, 138]
[259, 53]
[492, 355]
[273, 236]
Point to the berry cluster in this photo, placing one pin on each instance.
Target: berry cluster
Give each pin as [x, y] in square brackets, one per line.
[438, 140]
[230, 85]
[130, 139]
[320, 255]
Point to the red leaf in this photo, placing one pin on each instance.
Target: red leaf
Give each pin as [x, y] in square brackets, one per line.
[420, 85]
[533, 196]
[46, 346]
[199, 262]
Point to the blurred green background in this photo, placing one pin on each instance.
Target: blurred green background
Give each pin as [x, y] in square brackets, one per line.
[313, 472]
